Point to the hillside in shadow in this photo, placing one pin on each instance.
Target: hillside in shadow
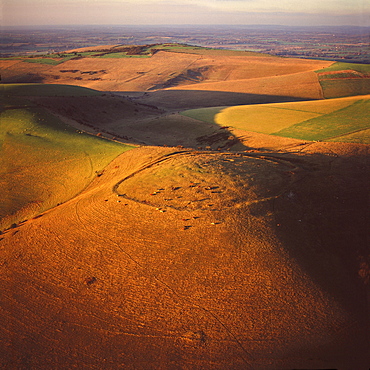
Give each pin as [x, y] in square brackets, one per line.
[175, 100]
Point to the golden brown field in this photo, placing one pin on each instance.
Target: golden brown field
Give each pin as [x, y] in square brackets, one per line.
[203, 247]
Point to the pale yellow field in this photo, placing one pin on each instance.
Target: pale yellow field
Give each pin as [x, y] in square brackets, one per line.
[269, 118]
[262, 119]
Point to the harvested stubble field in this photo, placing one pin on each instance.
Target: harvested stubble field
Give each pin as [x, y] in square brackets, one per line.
[201, 247]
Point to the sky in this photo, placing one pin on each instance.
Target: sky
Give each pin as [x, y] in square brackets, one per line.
[180, 12]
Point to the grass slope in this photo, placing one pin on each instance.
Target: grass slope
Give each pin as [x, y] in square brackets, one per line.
[314, 120]
[48, 61]
[44, 162]
[143, 68]
[204, 261]
[350, 119]
[341, 87]
[183, 48]
[340, 66]
[345, 79]
[11, 90]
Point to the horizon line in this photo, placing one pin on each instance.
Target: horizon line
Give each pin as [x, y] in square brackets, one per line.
[183, 25]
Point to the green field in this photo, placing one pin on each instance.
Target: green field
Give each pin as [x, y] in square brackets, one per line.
[122, 55]
[209, 51]
[53, 59]
[345, 79]
[43, 161]
[340, 66]
[47, 61]
[335, 119]
[341, 87]
[142, 52]
[13, 90]
[360, 137]
[334, 126]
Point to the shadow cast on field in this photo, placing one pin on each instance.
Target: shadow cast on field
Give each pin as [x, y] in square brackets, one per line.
[175, 100]
[192, 133]
[322, 224]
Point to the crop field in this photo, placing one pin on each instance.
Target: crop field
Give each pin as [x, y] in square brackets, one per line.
[48, 61]
[341, 87]
[345, 79]
[178, 47]
[315, 120]
[207, 51]
[353, 118]
[122, 55]
[145, 52]
[359, 137]
[40, 152]
[339, 66]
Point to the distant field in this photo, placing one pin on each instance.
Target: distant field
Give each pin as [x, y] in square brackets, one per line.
[122, 55]
[114, 52]
[339, 66]
[354, 117]
[314, 120]
[208, 51]
[44, 161]
[48, 61]
[345, 79]
[141, 52]
[340, 87]
[45, 90]
[55, 60]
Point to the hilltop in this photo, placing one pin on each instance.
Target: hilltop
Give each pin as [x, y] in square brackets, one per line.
[168, 206]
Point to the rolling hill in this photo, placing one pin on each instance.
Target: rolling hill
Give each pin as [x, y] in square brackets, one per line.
[43, 161]
[329, 120]
[175, 207]
[167, 67]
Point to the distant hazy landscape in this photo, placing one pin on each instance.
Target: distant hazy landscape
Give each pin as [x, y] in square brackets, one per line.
[349, 43]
